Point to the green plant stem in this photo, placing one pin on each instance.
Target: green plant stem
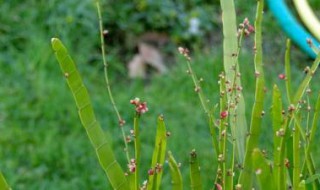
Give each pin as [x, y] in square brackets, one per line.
[230, 176]
[158, 156]
[308, 157]
[137, 148]
[3, 183]
[282, 153]
[223, 131]
[288, 70]
[277, 123]
[296, 155]
[196, 182]
[303, 86]
[205, 107]
[175, 173]
[263, 170]
[245, 178]
[197, 86]
[108, 82]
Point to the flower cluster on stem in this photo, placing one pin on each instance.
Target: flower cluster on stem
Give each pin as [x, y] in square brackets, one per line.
[141, 107]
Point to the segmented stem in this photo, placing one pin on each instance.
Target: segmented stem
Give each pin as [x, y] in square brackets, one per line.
[85, 110]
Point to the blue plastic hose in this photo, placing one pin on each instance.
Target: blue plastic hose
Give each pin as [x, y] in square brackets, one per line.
[291, 26]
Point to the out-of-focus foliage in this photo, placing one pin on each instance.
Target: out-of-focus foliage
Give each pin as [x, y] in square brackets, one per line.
[170, 17]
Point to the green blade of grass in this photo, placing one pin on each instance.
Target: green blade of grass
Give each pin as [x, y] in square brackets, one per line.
[277, 123]
[3, 183]
[245, 178]
[195, 176]
[94, 131]
[263, 170]
[158, 156]
[230, 47]
[175, 173]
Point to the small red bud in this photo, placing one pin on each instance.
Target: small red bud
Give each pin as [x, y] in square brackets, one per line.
[150, 172]
[282, 76]
[223, 114]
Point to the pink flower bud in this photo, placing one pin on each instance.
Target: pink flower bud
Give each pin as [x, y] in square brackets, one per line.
[150, 172]
[282, 76]
[223, 114]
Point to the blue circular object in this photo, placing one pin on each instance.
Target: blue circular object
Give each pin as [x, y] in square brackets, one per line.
[291, 26]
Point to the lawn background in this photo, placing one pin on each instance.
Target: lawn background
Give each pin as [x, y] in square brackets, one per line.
[42, 143]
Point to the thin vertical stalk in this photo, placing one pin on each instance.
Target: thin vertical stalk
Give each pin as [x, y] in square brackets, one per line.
[137, 148]
[296, 154]
[288, 70]
[223, 131]
[204, 104]
[198, 89]
[277, 123]
[245, 178]
[103, 52]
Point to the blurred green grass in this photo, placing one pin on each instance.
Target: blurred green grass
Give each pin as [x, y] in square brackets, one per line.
[42, 143]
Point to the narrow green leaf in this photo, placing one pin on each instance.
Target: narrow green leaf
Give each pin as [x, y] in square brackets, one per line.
[3, 183]
[263, 170]
[175, 173]
[196, 182]
[245, 178]
[158, 156]
[230, 49]
[94, 131]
